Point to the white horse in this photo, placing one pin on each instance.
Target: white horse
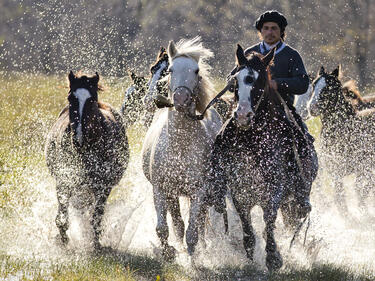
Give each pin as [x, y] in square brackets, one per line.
[301, 104]
[177, 146]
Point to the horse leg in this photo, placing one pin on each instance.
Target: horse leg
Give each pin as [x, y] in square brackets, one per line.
[340, 195]
[202, 222]
[195, 215]
[96, 220]
[274, 260]
[62, 218]
[178, 223]
[249, 240]
[363, 189]
[160, 202]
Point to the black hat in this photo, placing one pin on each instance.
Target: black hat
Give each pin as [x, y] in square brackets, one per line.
[273, 16]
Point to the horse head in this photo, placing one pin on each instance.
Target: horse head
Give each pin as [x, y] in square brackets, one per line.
[326, 91]
[83, 99]
[189, 85]
[250, 79]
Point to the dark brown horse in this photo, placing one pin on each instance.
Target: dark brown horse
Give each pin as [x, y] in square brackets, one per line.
[347, 134]
[86, 152]
[252, 154]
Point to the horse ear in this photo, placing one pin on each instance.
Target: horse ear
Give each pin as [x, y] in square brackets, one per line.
[240, 55]
[269, 57]
[172, 50]
[71, 77]
[161, 53]
[336, 72]
[132, 75]
[95, 79]
[321, 71]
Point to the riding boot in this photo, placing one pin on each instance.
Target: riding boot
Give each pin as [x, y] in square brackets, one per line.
[307, 163]
[303, 198]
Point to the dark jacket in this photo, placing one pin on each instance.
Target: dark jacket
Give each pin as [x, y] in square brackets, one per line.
[288, 71]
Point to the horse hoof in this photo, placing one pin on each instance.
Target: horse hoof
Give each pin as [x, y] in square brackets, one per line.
[97, 246]
[62, 240]
[169, 253]
[274, 261]
[191, 249]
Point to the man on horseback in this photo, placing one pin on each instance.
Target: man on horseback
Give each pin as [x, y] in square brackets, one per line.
[289, 78]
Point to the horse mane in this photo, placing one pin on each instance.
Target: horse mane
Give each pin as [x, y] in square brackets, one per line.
[350, 87]
[193, 48]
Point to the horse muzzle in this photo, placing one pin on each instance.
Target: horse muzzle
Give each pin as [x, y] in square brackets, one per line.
[244, 120]
[182, 98]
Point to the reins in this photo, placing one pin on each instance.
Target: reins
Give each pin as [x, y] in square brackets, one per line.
[162, 102]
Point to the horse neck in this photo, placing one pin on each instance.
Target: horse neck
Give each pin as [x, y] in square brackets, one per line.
[340, 112]
[181, 128]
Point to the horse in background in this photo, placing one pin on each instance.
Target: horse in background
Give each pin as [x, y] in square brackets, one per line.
[347, 134]
[86, 152]
[133, 108]
[301, 102]
[359, 102]
[177, 145]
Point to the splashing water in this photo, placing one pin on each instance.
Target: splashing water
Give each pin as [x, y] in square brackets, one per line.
[130, 220]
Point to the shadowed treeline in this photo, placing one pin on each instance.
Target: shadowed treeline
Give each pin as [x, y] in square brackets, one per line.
[111, 36]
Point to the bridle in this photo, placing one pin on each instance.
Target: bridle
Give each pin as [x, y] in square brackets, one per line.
[234, 77]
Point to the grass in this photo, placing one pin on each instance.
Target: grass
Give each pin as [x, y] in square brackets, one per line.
[29, 104]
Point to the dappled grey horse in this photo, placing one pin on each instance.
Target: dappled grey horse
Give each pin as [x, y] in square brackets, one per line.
[347, 136]
[177, 145]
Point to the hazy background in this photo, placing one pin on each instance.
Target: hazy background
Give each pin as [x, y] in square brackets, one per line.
[51, 36]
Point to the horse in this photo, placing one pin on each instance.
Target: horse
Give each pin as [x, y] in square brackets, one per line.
[86, 152]
[347, 134]
[301, 102]
[177, 145]
[253, 154]
[133, 108]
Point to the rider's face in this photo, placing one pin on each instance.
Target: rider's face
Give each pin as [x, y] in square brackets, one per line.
[271, 32]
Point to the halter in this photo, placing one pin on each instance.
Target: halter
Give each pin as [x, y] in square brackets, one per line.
[162, 102]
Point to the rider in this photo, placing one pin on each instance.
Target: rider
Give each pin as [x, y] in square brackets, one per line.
[289, 78]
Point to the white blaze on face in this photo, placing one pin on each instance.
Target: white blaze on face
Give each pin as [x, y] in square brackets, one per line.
[82, 95]
[244, 106]
[313, 104]
[156, 77]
